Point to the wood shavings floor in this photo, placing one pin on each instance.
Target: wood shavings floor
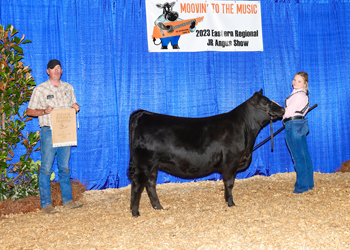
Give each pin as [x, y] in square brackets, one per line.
[267, 215]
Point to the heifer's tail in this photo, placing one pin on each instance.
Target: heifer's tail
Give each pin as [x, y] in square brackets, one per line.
[132, 125]
[131, 169]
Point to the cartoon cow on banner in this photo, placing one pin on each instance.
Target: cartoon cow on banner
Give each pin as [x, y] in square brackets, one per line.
[168, 26]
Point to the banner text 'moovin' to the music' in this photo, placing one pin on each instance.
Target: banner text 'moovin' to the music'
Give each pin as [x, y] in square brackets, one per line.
[223, 8]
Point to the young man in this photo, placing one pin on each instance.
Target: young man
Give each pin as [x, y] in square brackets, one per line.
[47, 96]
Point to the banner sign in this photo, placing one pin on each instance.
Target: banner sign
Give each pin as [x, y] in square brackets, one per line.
[64, 127]
[203, 25]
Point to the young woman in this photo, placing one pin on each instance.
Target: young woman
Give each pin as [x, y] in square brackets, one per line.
[296, 129]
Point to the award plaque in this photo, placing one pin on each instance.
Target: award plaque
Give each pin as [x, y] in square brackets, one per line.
[64, 127]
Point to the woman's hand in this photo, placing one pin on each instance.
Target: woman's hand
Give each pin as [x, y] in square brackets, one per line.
[276, 103]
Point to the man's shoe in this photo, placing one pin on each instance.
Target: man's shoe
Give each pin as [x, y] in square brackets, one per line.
[49, 210]
[71, 205]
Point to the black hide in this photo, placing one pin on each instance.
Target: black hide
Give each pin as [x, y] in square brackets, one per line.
[194, 147]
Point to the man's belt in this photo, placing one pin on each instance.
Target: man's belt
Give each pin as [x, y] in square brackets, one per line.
[292, 118]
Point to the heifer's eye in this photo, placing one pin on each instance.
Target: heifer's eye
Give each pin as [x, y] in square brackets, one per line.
[263, 101]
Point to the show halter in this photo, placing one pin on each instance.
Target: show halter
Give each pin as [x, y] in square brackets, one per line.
[277, 132]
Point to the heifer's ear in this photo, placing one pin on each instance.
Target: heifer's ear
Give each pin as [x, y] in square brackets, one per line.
[172, 4]
[159, 5]
[255, 98]
[261, 92]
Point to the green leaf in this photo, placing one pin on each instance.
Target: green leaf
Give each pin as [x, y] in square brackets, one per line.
[14, 31]
[16, 40]
[18, 49]
[9, 26]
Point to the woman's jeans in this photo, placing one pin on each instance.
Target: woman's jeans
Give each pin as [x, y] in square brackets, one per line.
[48, 154]
[295, 134]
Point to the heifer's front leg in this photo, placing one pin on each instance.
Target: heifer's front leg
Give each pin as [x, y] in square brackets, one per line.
[136, 191]
[151, 189]
[229, 180]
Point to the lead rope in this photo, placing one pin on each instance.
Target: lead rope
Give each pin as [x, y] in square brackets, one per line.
[271, 134]
[78, 120]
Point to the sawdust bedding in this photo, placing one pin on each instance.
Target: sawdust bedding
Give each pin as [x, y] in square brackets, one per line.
[267, 215]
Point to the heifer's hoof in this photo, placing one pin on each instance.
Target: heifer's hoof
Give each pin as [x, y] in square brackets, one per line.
[230, 203]
[135, 214]
[158, 207]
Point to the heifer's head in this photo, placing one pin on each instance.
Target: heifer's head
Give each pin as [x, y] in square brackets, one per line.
[271, 109]
[168, 12]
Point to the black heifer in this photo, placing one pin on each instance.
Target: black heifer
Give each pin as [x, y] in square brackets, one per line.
[194, 147]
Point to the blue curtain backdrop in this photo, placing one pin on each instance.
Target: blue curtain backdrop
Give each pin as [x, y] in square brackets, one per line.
[102, 45]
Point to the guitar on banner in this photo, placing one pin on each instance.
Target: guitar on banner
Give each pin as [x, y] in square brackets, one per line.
[175, 28]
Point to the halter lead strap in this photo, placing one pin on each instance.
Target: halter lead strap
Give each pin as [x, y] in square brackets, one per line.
[271, 134]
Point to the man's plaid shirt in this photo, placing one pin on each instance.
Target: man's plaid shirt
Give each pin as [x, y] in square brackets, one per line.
[46, 94]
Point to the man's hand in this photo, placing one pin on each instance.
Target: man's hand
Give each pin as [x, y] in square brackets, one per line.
[76, 107]
[48, 110]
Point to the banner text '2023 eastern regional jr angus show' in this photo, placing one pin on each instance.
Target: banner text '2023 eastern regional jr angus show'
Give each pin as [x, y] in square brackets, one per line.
[185, 26]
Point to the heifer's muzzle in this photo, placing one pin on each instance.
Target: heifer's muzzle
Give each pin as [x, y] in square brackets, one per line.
[276, 110]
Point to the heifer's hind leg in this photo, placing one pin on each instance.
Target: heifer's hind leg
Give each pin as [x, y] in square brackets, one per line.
[137, 185]
[229, 180]
[151, 189]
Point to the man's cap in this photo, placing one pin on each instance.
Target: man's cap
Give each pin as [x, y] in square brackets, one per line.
[53, 63]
